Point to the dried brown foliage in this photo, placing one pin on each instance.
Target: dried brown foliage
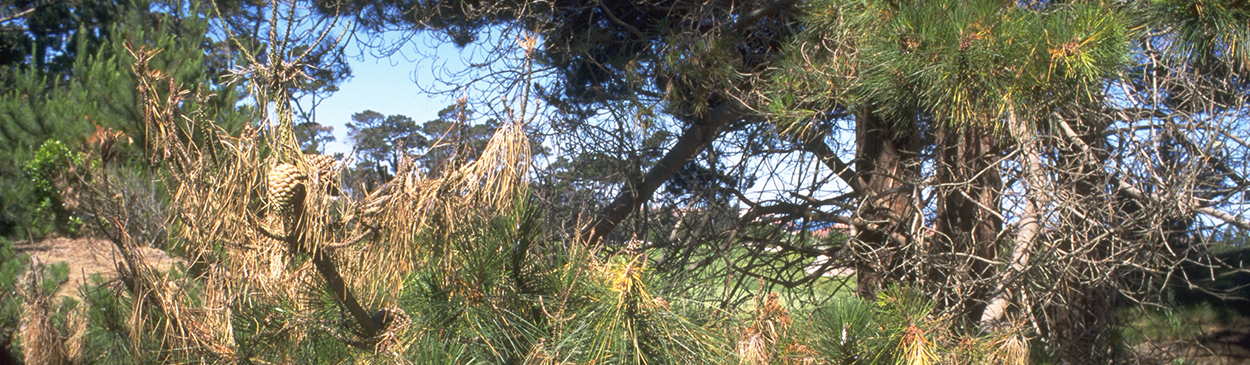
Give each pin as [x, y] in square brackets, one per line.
[42, 342]
[272, 227]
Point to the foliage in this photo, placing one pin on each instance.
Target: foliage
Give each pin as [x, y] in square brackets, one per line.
[96, 91]
[50, 160]
[899, 327]
[12, 267]
[1012, 162]
[454, 250]
[961, 63]
[512, 299]
[381, 142]
[108, 334]
[46, 320]
[313, 137]
[101, 91]
[455, 137]
[965, 87]
[48, 171]
[51, 36]
[16, 207]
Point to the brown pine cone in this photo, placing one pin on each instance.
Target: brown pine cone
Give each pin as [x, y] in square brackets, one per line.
[320, 163]
[283, 180]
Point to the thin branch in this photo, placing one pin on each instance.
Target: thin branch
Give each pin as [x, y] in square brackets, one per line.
[618, 21]
[19, 14]
[1137, 193]
[754, 15]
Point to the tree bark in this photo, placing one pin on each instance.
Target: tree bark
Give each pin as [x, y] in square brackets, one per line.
[967, 217]
[882, 155]
[1030, 224]
[638, 191]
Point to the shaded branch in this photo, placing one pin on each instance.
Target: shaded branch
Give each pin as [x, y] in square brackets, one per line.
[328, 268]
[818, 147]
[635, 193]
[767, 10]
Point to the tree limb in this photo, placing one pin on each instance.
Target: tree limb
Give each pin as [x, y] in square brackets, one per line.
[18, 15]
[326, 266]
[28, 11]
[632, 195]
[618, 21]
[1030, 224]
[767, 10]
[830, 159]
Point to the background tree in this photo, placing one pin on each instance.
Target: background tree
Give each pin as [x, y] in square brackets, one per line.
[1040, 104]
[453, 135]
[619, 64]
[380, 144]
[1025, 167]
[67, 94]
[49, 36]
[313, 136]
[452, 139]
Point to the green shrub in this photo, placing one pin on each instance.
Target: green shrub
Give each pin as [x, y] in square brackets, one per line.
[107, 340]
[47, 172]
[900, 327]
[12, 266]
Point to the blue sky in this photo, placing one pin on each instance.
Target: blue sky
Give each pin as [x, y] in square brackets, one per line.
[391, 86]
[387, 86]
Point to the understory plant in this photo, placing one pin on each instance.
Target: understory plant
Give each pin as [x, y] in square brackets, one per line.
[901, 327]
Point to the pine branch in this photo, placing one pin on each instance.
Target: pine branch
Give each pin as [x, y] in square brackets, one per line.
[631, 197]
[328, 269]
[28, 11]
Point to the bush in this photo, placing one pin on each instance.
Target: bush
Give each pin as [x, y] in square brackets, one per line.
[899, 327]
[48, 172]
[11, 268]
[18, 210]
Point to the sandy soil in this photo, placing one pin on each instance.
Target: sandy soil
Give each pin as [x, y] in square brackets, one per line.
[86, 256]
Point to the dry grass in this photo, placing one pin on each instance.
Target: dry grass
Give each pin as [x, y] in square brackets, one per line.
[250, 204]
[41, 340]
[86, 256]
[411, 207]
[759, 342]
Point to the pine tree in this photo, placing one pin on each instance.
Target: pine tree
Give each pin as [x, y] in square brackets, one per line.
[98, 90]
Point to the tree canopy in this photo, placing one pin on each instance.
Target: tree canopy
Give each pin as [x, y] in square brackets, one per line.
[1012, 169]
[985, 151]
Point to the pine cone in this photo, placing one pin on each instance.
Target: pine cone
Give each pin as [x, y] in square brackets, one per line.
[283, 181]
[320, 163]
[322, 168]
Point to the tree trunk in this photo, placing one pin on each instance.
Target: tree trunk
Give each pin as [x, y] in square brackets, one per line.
[883, 158]
[968, 220]
[1030, 223]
